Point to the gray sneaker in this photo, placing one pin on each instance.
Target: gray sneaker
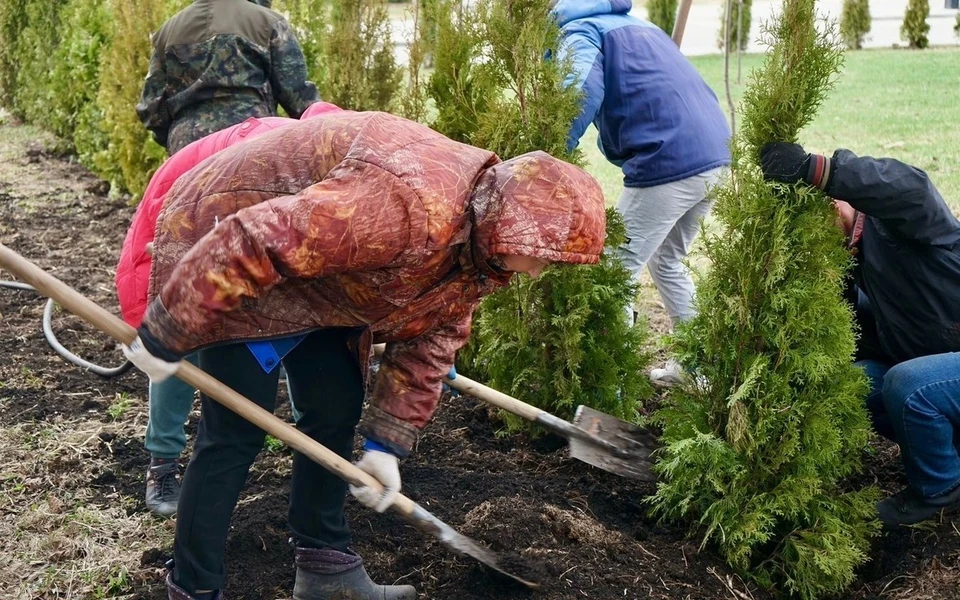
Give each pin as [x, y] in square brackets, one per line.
[163, 486]
[670, 375]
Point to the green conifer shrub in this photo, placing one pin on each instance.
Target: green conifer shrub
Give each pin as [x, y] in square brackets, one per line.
[459, 86]
[309, 21]
[73, 113]
[131, 155]
[663, 14]
[38, 39]
[413, 100]
[855, 23]
[915, 27]
[13, 20]
[756, 449]
[740, 18]
[956, 26]
[362, 73]
[560, 340]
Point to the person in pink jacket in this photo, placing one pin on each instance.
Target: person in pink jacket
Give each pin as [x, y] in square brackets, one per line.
[171, 400]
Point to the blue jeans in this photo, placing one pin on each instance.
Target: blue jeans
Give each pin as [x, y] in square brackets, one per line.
[170, 404]
[916, 403]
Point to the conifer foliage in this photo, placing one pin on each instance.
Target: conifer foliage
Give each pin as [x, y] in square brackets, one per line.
[740, 24]
[915, 27]
[663, 14]
[560, 340]
[855, 22]
[757, 448]
[362, 73]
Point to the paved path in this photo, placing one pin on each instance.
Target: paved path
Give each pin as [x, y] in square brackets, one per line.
[703, 25]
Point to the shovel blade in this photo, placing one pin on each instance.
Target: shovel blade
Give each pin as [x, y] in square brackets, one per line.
[625, 451]
[461, 544]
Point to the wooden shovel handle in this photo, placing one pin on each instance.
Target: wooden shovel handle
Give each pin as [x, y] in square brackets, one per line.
[487, 394]
[681, 22]
[103, 320]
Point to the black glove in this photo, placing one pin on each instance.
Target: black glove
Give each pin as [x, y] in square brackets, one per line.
[783, 162]
[790, 163]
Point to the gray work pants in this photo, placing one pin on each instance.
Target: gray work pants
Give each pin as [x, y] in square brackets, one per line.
[662, 222]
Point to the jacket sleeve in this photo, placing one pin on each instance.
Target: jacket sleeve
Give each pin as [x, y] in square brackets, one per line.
[409, 383]
[587, 75]
[152, 108]
[361, 224]
[288, 74]
[899, 195]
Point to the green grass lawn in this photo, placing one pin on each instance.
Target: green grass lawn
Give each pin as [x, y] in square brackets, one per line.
[898, 103]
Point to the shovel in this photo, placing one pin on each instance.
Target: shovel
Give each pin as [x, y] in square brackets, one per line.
[84, 308]
[595, 438]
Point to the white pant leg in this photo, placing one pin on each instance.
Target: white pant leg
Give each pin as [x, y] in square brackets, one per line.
[661, 223]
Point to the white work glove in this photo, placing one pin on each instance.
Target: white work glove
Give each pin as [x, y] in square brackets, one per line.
[385, 468]
[156, 369]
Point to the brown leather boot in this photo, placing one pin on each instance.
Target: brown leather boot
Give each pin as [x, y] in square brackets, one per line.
[331, 575]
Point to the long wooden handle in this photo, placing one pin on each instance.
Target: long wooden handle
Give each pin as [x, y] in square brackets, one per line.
[682, 13]
[487, 394]
[103, 320]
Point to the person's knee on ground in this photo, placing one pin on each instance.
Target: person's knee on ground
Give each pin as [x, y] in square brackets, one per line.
[918, 408]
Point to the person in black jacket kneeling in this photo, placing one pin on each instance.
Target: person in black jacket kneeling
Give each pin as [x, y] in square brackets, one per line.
[905, 291]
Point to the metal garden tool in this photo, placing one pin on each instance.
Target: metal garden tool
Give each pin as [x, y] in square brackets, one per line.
[595, 438]
[89, 311]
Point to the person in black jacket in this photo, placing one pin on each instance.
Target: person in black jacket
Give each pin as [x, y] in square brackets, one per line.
[905, 291]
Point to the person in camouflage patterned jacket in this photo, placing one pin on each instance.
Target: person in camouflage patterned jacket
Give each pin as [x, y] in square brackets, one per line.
[353, 229]
[217, 63]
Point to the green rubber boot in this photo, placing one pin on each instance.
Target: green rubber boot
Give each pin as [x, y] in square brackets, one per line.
[326, 574]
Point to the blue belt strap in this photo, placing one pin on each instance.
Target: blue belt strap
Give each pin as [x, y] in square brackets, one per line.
[269, 354]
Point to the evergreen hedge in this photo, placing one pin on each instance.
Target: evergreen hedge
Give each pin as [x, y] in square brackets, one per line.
[915, 27]
[758, 447]
[77, 67]
[663, 14]
[855, 23]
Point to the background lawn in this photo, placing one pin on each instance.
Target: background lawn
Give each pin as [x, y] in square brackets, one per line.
[898, 103]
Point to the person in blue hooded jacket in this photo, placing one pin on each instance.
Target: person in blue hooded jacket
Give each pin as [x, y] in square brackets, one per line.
[662, 125]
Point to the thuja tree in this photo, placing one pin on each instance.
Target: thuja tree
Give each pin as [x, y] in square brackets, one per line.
[915, 27]
[738, 31]
[308, 19]
[855, 22]
[663, 14]
[756, 449]
[413, 99]
[560, 340]
[361, 71]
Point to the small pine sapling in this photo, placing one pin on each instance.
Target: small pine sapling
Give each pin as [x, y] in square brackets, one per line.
[757, 448]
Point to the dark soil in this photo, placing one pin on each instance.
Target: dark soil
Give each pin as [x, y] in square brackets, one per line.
[580, 532]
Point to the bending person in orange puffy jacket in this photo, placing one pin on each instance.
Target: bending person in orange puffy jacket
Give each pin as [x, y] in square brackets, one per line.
[345, 231]
[171, 400]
